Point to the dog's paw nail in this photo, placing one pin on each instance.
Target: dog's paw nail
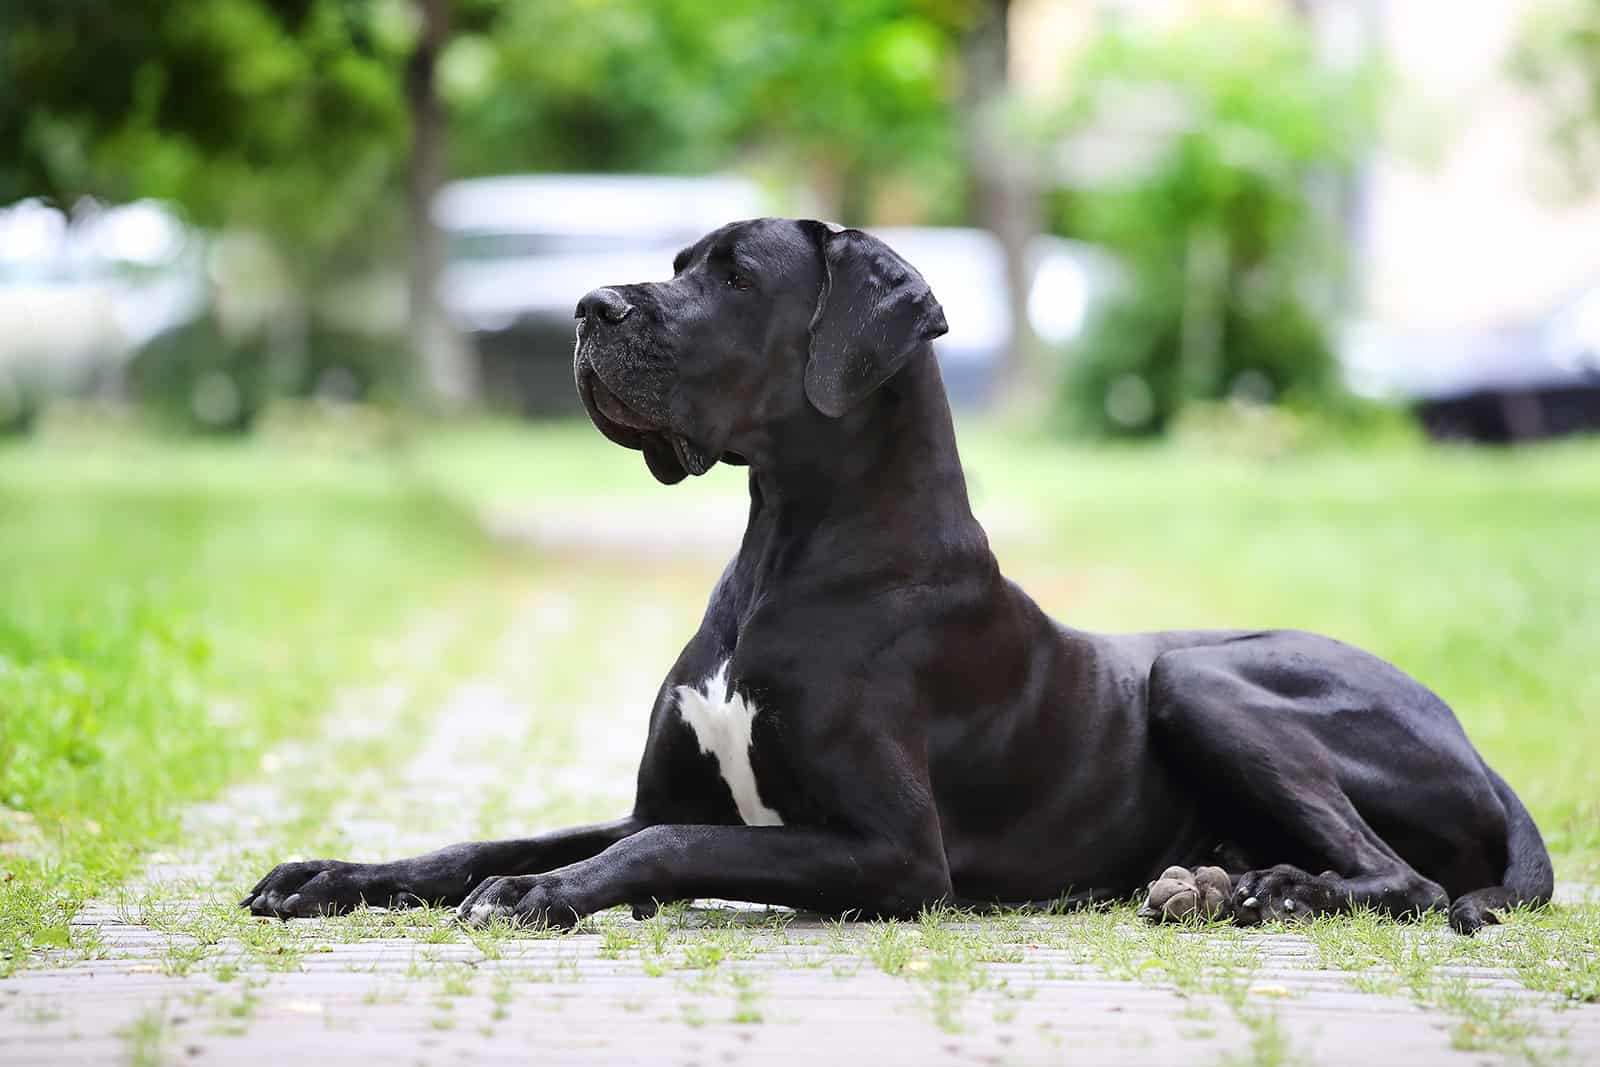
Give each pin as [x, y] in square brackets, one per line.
[479, 914]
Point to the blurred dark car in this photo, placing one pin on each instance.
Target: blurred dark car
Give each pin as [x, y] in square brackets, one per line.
[1523, 381]
[524, 248]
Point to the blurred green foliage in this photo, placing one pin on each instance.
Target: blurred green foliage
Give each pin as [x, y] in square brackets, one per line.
[205, 378]
[1558, 58]
[19, 404]
[1208, 146]
[198, 377]
[281, 115]
[850, 97]
[290, 116]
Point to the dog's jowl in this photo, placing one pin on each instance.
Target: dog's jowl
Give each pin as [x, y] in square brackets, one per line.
[871, 718]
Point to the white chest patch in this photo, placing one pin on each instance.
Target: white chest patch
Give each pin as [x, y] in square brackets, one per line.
[721, 722]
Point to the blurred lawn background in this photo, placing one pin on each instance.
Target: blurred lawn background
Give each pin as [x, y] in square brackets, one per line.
[206, 532]
[168, 609]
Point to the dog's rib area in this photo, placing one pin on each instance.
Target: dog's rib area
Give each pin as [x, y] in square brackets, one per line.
[721, 719]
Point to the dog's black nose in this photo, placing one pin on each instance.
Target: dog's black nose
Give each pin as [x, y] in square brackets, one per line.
[606, 303]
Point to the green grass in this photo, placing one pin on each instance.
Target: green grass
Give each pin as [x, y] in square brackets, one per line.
[167, 612]
[147, 1036]
[170, 611]
[1552, 951]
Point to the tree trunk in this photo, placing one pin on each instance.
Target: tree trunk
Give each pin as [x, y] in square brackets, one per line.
[1005, 186]
[447, 372]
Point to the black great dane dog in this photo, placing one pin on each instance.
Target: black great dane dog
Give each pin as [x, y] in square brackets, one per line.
[872, 719]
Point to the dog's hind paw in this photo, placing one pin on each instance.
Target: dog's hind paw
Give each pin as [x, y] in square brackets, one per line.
[1468, 916]
[1181, 895]
[1284, 893]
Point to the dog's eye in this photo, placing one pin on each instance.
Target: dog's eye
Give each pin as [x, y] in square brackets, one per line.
[738, 281]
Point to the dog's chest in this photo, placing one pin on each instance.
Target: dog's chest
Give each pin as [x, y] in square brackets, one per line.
[721, 720]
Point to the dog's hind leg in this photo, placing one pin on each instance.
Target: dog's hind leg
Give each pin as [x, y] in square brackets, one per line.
[1528, 879]
[1255, 761]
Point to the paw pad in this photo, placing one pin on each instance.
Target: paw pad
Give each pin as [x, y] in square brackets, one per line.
[1180, 895]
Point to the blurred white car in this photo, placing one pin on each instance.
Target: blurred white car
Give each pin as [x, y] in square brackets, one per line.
[524, 248]
[79, 294]
[966, 270]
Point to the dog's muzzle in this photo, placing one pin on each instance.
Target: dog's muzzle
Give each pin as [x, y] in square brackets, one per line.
[609, 413]
[669, 455]
[624, 387]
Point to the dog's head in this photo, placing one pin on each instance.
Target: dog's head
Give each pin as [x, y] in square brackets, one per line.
[766, 325]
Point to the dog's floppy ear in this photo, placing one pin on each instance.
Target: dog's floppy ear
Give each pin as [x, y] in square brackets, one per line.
[875, 311]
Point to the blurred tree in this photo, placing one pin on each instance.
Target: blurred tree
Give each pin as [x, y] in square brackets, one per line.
[286, 117]
[854, 99]
[449, 370]
[1191, 155]
[1558, 58]
[281, 116]
[608, 86]
[1004, 173]
[863, 100]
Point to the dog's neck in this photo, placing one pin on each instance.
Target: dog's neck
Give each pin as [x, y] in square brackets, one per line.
[889, 470]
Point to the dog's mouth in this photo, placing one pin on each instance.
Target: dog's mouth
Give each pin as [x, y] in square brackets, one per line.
[611, 414]
[670, 455]
[614, 408]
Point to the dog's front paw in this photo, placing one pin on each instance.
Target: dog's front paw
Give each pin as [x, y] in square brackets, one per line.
[320, 887]
[524, 900]
[1181, 895]
[1284, 893]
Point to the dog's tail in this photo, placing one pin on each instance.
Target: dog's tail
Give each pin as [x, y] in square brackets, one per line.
[1529, 878]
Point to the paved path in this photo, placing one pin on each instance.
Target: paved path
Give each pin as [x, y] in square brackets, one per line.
[538, 722]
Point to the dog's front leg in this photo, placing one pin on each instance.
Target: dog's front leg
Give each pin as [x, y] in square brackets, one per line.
[830, 871]
[330, 887]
